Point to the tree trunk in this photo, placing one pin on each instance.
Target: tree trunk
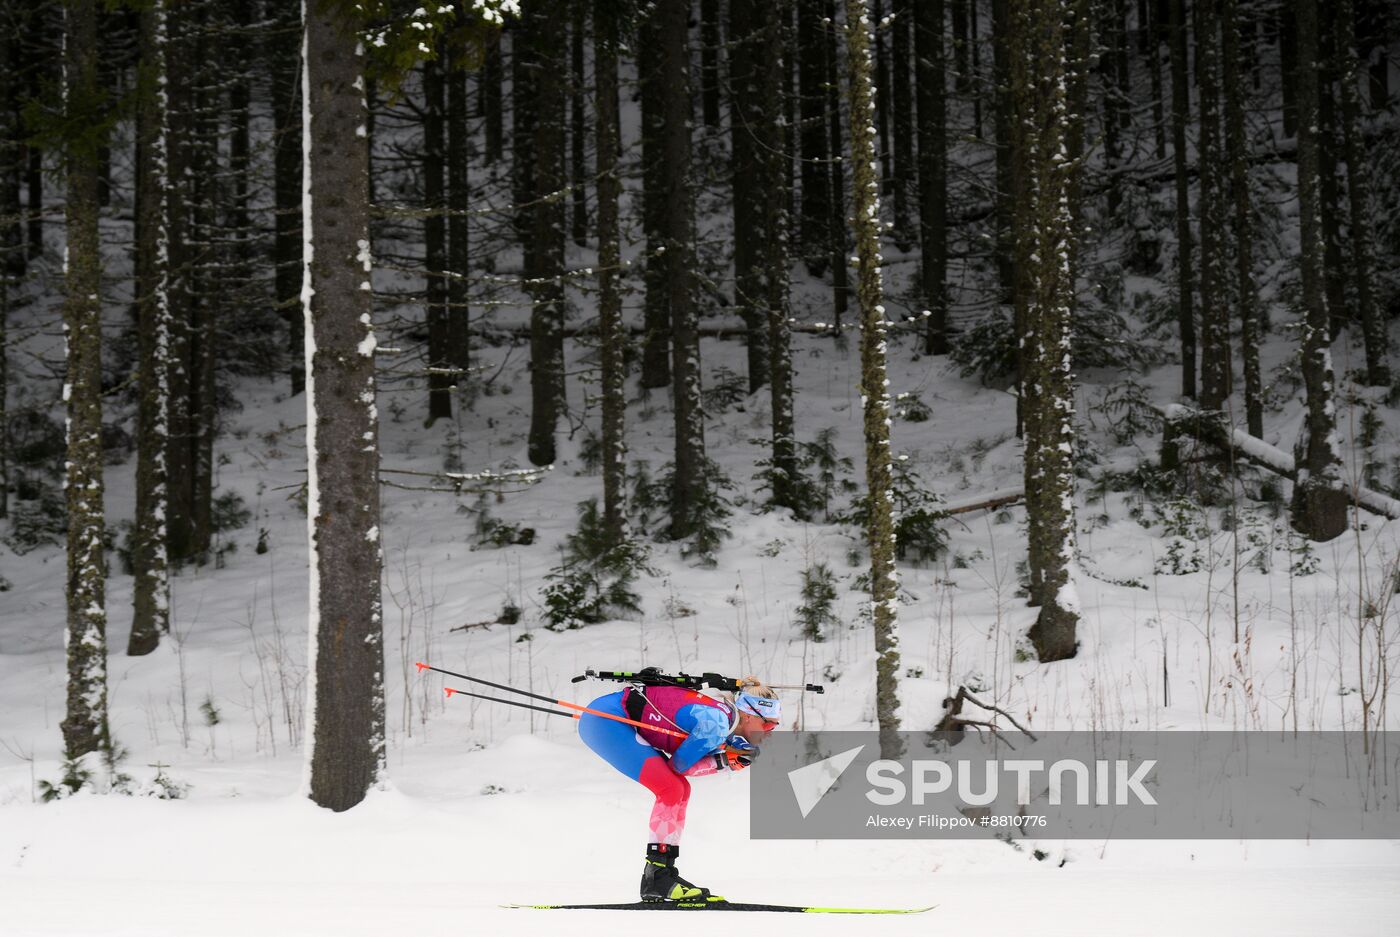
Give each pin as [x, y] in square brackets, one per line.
[1005, 188]
[656, 346]
[1358, 193]
[1047, 237]
[902, 101]
[1237, 156]
[489, 92]
[40, 53]
[1215, 332]
[181, 56]
[345, 717]
[836, 225]
[523, 69]
[933, 171]
[207, 277]
[612, 337]
[441, 378]
[814, 233]
[545, 34]
[1153, 29]
[678, 232]
[775, 226]
[747, 114]
[578, 168]
[284, 52]
[1185, 278]
[1319, 509]
[150, 564]
[961, 44]
[710, 42]
[1108, 20]
[1288, 63]
[1329, 143]
[884, 582]
[881, 63]
[458, 233]
[84, 726]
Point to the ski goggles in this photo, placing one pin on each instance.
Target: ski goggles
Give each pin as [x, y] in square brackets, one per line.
[769, 710]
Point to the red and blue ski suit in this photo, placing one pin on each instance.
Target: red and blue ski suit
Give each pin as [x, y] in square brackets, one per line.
[660, 762]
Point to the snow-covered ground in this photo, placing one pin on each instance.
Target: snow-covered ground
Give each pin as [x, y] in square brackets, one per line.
[491, 805]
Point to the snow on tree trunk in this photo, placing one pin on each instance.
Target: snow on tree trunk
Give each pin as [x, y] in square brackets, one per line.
[1319, 509]
[875, 395]
[1047, 246]
[345, 711]
[85, 724]
[151, 589]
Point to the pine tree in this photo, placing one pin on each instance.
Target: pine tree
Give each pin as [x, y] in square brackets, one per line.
[902, 122]
[578, 168]
[1185, 278]
[490, 105]
[612, 336]
[150, 565]
[710, 41]
[1319, 509]
[1242, 227]
[749, 114]
[836, 225]
[931, 77]
[774, 182]
[813, 139]
[441, 379]
[458, 207]
[85, 728]
[284, 51]
[1215, 332]
[544, 247]
[677, 228]
[345, 718]
[884, 580]
[656, 342]
[1363, 262]
[1047, 245]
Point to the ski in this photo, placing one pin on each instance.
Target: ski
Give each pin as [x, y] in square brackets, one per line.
[715, 905]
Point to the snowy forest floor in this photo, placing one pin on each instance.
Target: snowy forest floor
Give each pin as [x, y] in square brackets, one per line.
[489, 805]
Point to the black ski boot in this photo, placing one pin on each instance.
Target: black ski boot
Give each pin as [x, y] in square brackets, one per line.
[661, 881]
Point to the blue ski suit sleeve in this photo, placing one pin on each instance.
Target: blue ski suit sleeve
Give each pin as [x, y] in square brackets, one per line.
[708, 727]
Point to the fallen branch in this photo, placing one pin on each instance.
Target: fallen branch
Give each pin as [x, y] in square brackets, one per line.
[987, 502]
[1184, 421]
[953, 720]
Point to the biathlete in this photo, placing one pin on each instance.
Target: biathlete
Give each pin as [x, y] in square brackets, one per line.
[720, 735]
